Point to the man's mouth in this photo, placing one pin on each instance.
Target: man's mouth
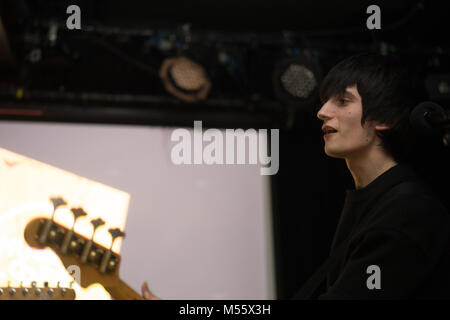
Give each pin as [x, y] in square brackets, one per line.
[327, 131]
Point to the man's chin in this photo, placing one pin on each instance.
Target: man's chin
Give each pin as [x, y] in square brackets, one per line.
[334, 153]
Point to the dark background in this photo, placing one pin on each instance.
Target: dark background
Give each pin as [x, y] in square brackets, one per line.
[79, 77]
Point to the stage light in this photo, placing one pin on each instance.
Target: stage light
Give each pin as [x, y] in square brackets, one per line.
[296, 81]
[185, 79]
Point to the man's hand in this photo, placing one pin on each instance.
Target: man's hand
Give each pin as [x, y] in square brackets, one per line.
[147, 294]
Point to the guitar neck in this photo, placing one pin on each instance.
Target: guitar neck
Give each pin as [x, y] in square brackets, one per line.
[122, 291]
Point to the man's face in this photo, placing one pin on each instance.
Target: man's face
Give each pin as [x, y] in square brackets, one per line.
[343, 133]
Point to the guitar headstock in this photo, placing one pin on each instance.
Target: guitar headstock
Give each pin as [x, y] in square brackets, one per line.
[34, 292]
[97, 263]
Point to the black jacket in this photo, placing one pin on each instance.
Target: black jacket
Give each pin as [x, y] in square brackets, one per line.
[405, 235]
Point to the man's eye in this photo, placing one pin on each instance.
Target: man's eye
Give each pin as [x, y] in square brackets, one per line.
[343, 101]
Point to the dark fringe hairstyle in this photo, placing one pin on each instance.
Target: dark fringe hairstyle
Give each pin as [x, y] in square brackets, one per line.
[386, 93]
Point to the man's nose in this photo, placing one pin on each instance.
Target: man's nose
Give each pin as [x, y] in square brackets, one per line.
[324, 114]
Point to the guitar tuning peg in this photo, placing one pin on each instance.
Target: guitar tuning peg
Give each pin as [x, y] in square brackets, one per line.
[77, 212]
[87, 247]
[96, 223]
[24, 290]
[57, 202]
[115, 233]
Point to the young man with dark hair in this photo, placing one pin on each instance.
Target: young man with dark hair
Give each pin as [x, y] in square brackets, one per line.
[390, 224]
[392, 238]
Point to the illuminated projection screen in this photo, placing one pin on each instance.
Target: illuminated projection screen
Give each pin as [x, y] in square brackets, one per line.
[192, 231]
